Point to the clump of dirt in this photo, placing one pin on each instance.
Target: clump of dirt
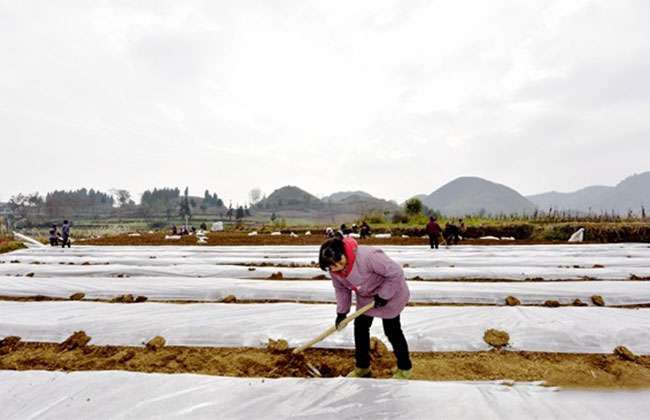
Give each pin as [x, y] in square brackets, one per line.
[635, 277]
[8, 344]
[496, 338]
[229, 299]
[578, 302]
[406, 265]
[123, 299]
[15, 261]
[417, 278]
[277, 346]
[251, 268]
[598, 300]
[156, 343]
[29, 275]
[320, 277]
[624, 353]
[552, 304]
[382, 359]
[77, 340]
[377, 347]
[122, 275]
[276, 276]
[598, 266]
[86, 263]
[77, 296]
[141, 299]
[512, 301]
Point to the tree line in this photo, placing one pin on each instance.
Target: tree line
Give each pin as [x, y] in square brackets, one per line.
[33, 209]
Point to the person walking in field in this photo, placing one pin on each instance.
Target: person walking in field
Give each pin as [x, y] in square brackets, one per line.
[433, 231]
[65, 232]
[372, 276]
[54, 236]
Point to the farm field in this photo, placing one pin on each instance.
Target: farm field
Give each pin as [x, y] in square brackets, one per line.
[228, 317]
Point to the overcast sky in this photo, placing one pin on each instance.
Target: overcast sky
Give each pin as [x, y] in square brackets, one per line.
[392, 97]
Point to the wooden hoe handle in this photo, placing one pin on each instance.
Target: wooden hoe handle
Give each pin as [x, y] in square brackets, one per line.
[331, 330]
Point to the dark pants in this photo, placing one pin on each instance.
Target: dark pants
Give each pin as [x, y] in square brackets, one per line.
[65, 241]
[433, 241]
[392, 329]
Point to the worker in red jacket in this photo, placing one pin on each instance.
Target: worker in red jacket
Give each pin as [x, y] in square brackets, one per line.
[433, 231]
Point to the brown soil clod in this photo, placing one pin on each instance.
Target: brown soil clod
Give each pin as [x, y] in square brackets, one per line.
[598, 300]
[77, 296]
[624, 353]
[229, 299]
[86, 263]
[552, 304]
[251, 268]
[496, 338]
[598, 266]
[29, 275]
[320, 277]
[512, 301]
[378, 348]
[578, 302]
[276, 276]
[123, 299]
[156, 343]
[277, 346]
[78, 339]
[8, 344]
[417, 278]
[141, 299]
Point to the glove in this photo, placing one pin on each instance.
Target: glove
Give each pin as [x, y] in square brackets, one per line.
[379, 302]
[339, 318]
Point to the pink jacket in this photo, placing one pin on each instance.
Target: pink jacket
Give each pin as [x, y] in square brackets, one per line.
[373, 273]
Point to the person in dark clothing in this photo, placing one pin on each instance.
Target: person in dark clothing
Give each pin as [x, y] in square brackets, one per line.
[174, 230]
[203, 226]
[345, 230]
[65, 231]
[364, 232]
[433, 231]
[54, 236]
[451, 234]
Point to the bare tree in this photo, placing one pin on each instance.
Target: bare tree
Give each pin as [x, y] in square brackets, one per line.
[255, 195]
[123, 197]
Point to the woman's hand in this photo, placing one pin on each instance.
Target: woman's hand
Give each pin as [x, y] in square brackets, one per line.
[379, 302]
[339, 318]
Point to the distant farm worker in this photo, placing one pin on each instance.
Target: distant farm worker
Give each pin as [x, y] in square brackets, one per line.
[373, 276]
[65, 231]
[451, 234]
[364, 232]
[433, 231]
[329, 233]
[54, 236]
[345, 231]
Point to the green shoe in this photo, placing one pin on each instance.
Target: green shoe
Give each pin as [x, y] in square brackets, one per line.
[402, 374]
[359, 373]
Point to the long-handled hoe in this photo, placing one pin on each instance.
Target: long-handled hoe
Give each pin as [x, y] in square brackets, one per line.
[331, 330]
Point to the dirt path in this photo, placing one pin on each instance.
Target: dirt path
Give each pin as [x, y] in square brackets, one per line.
[242, 238]
[231, 299]
[569, 370]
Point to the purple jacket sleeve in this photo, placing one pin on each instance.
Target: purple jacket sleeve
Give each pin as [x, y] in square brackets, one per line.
[343, 296]
[391, 271]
